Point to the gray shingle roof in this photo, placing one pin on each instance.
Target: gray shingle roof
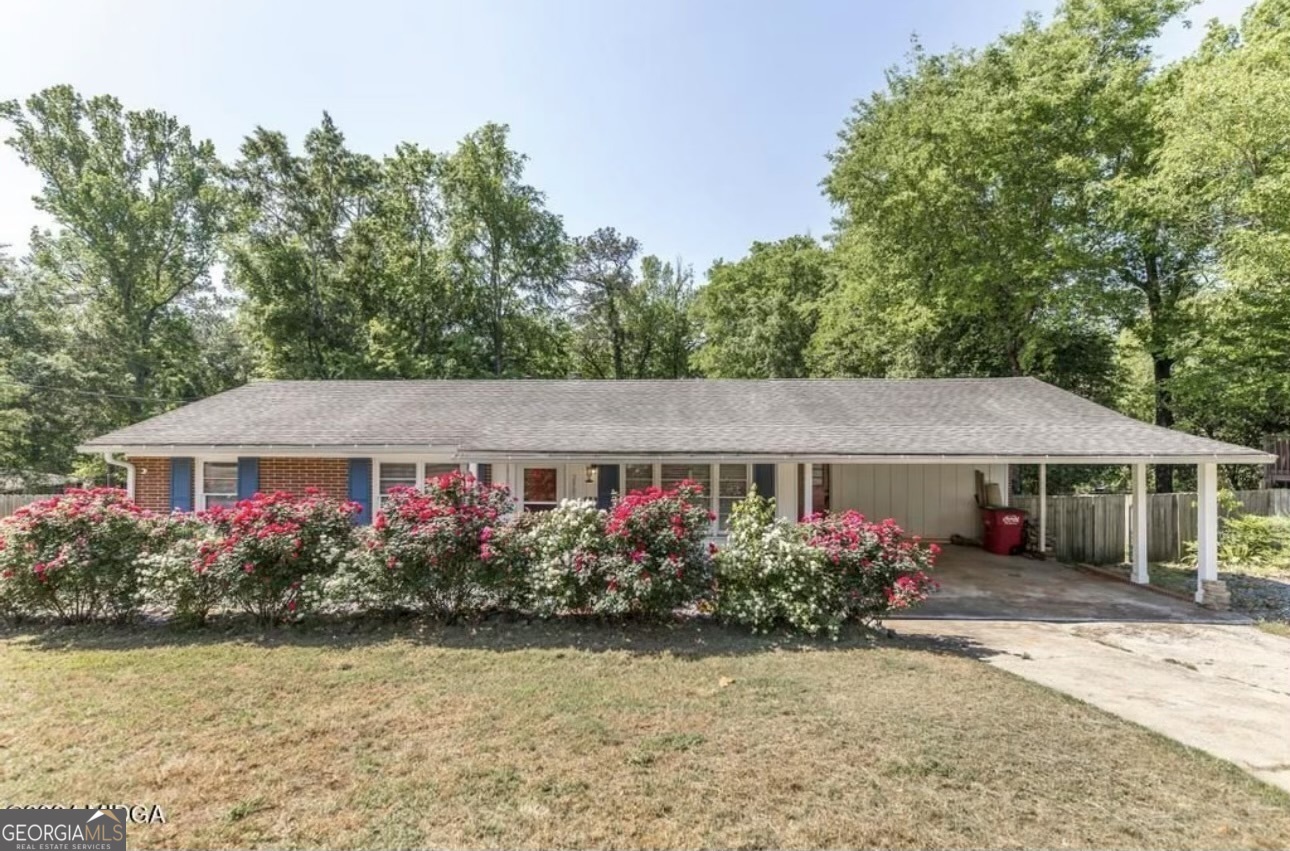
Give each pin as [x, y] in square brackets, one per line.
[1012, 417]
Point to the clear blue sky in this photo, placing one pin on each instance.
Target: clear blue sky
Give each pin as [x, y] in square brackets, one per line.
[695, 126]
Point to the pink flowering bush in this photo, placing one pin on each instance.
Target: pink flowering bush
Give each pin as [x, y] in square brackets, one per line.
[270, 555]
[817, 575]
[880, 567]
[655, 556]
[74, 556]
[436, 547]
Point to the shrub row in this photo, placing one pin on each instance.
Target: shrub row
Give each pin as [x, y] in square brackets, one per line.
[454, 548]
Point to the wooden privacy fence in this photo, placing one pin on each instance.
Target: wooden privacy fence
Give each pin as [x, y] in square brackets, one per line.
[1095, 529]
[11, 502]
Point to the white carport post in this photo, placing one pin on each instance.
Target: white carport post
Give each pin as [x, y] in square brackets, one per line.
[1043, 508]
[1139, 574]
[1206, 527]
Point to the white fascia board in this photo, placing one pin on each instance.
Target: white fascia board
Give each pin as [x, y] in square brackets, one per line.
[454, 453]
[277, 451]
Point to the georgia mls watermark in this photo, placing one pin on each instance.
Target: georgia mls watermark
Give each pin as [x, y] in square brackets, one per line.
[102, 829]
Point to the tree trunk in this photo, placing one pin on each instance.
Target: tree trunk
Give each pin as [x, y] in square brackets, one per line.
[1163, 368]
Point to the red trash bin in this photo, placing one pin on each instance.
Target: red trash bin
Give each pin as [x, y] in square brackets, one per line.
[1005, 530]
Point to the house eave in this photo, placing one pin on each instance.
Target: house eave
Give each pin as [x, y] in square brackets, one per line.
[454, 452]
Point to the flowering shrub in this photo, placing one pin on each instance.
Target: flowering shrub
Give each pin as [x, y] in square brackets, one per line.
[769, 576]
[174, 573]
[561, 554]
[435, 547]
[270, 554]
[881, 569]
[74, 555]
[655, 557]
[816, 575]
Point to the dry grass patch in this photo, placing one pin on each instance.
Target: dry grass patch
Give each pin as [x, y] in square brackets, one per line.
[545, 736]
[1275, 628]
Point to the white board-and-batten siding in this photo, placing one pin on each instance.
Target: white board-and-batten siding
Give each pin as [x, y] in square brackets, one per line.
[932, 500]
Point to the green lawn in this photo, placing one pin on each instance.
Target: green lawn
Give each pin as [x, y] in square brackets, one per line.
[540, 736]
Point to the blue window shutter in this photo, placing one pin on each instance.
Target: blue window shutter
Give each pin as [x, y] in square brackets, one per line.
[248, 477]
[181, 484]
[485, 474]
[764, 479]
[360, 488]
[606, 484]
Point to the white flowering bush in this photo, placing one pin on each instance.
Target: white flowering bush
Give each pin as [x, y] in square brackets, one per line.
[816, 575]
[560, 552]
[769, 576]
[175, 575]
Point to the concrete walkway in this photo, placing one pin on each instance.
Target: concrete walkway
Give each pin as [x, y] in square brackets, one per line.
[1221, 688]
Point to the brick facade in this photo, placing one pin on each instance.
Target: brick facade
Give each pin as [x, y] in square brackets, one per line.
[330, 475]
[152, 483]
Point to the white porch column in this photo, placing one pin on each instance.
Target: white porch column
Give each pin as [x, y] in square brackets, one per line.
[1043, 508]
[808, 492]
[1206, 527]
[786, 491]
[1139, 574]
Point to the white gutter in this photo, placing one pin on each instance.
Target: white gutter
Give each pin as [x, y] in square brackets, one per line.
[454, 452]
[129, 472]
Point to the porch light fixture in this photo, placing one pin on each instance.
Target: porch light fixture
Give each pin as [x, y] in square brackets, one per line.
[591, 474]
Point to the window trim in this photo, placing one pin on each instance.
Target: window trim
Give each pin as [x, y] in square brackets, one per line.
[421, 462]
[521, 498]
[199, 478]
[714, 489]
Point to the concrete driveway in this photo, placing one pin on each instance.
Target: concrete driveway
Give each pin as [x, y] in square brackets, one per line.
[1222, 689]
[979, 585]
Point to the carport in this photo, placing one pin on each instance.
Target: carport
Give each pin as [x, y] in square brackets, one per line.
[977, 585]
[928, 442]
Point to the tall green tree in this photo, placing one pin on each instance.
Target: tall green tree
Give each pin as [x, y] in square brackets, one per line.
[601, 276]
[664, 318]
[420, 319]
[627, 324]
[996, 211]
[1224, 169]
[507, 250]
[756, 316]
[307, 302]
[139, 213]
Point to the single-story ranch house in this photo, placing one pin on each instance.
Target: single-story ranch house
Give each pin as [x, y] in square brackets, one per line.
[906, 449]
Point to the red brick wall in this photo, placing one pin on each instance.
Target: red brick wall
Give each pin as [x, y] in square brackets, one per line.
[152, 483]
[331, 475]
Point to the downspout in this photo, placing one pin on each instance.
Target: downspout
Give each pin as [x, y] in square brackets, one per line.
[129, 472]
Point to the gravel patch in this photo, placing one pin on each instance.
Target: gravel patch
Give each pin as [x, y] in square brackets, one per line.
[1262, 597]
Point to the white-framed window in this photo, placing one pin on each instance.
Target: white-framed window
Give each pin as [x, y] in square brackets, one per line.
[406, 474]
[394, 474]
[219, 484]
[637, 477]
[732, 486]
[541, 488]
[671, 475]
[434, 471]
